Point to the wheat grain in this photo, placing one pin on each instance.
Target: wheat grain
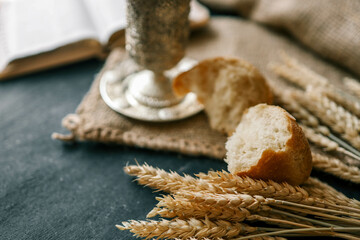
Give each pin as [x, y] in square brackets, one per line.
[335, 167]
[183, 229]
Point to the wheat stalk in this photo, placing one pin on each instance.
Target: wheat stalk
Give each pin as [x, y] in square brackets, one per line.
[171, 206]
[329, 231]
[287, 101]
[321, 190]
[343, 98]
[304, 77]
[167, 181]
[313, 129]
[254, 203]
[297, 73]
[269, 188]
[336, 167]
[320, 140]
[352, 123]
[258, 238]
[224, 182]
[336, 117]
[183, 229]
[177, 206]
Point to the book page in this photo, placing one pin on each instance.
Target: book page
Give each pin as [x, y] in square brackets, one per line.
[108, 16]
[36, 26]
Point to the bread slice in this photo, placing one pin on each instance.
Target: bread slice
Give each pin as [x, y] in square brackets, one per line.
[226, 86]
[269, 144]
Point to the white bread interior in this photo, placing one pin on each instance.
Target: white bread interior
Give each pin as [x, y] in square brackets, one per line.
[269, 144]
[226, 87]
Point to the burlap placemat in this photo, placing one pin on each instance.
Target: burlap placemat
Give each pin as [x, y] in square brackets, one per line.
[331, 28]
[224, 36]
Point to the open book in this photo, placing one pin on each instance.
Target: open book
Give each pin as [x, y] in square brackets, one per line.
[39, 34]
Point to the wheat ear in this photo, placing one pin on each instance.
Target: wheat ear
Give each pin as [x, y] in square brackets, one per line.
[319, 189]
[269, 188]
[252, 203]
[183, 229]
[336, 117]
[353, 86]
[172, 206]
[352, 123]
[320, 140]
[336, 167]
[177, 206]
[297, 73]
[343, 98]
[167, 181]
[301, 75]
[287, 101]
[256, 203]
[325, 143]
[313, 129]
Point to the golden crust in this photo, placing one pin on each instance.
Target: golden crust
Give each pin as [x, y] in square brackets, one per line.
[292, 165]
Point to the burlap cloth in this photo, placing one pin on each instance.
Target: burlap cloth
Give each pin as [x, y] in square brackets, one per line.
[95, 121]
[330, 28]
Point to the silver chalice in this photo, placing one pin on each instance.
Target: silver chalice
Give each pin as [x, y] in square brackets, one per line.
[156, 37]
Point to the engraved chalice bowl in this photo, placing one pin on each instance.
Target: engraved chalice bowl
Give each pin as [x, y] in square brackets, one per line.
[156, 37]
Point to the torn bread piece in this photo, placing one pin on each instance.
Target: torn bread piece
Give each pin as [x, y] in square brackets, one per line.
[226, 86]
[269, 144]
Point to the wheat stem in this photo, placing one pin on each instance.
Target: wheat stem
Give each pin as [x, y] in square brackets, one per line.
[351, 221]
[275, 221]
[344, 145]
[306, 219]
[281, 202]
[331, 231]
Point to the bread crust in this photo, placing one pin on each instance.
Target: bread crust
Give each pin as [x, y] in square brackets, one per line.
[292, 165]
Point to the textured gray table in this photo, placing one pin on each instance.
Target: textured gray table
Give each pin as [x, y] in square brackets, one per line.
[51, 190]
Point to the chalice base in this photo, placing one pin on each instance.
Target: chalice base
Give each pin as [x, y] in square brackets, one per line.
[142, 97]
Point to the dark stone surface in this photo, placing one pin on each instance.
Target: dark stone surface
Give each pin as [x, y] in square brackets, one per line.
[51, 190]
